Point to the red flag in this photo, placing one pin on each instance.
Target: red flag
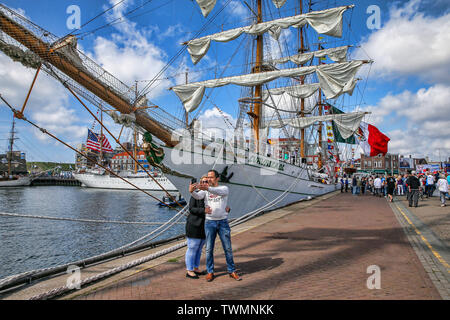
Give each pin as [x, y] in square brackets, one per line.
[372, 141]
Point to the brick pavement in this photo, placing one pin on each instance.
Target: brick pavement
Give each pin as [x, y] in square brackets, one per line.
[433, 215]
[427, 228]
[320, 252]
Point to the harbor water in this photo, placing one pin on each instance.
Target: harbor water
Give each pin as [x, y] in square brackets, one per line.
[28, 244]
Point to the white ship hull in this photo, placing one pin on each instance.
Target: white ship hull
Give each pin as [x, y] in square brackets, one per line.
[252, 185]
[92, 180]
[20, 182]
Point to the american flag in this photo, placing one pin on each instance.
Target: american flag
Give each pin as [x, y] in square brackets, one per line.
[94, 144]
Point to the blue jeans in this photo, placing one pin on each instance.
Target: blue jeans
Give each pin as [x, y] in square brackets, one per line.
[212, 228]
[193, 253]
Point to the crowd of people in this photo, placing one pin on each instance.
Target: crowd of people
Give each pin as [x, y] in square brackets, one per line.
[412, 185]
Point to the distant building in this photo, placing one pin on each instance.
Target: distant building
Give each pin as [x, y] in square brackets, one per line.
[380, 164]
[124, 162]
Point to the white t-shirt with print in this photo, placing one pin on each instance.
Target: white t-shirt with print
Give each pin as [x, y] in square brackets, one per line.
[216, 198]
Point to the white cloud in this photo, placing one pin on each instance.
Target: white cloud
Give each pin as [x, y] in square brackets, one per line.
[129, 55]
[237, 10]
[410, 43]
[413, 44]
[48, 104]
[213, 122]
[422, 120]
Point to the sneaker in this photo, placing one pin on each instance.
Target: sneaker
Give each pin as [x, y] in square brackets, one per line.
[442, 205]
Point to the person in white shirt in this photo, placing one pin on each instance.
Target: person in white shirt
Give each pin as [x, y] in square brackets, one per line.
[377, 185]
[216, 222]
[442, 185]
[429, 185]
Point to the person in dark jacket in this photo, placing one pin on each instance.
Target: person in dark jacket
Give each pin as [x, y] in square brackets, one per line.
[413, 184]
[195, 235]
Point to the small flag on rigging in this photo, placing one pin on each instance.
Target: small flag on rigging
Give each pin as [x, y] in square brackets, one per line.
[94, 144]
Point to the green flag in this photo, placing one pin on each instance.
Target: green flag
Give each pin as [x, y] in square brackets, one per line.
[337, 134]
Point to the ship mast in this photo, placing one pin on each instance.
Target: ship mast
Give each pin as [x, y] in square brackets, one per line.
[257, 101]
[319, 162]
[11, 142]
[134, 136]
[302, 81]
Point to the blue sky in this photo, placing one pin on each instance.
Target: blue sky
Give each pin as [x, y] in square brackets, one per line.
[407, 89]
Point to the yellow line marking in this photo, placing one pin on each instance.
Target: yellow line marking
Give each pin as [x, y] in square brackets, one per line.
[437, 255]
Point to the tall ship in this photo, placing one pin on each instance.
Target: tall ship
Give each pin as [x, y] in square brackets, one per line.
[100, 179]
[121, 163]
[13, 165]
[282, 148]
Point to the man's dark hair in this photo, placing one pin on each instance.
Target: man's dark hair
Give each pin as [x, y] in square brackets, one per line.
[216, 174]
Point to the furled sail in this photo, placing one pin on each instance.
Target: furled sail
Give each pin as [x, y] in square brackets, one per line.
[338, 54]
[207, 5]
[347, 123]
[334, 79]
[305, 90]
[327, 22]
[300, 91]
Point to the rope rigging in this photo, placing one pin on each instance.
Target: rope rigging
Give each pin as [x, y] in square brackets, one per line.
[121, 20]
[15, 215]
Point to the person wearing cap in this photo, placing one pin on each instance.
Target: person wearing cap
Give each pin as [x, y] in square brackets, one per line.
[413, 188]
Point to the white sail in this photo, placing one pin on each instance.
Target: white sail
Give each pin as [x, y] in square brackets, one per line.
[338, 78]
[300, 91]
[347, 123]
[306, 90]
[338, 54]
[279, 3]
[327, 22]
[208, 5]
[333, 78]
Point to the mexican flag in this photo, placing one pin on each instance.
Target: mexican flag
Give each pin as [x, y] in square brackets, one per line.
[336, 133]
[371, 140]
